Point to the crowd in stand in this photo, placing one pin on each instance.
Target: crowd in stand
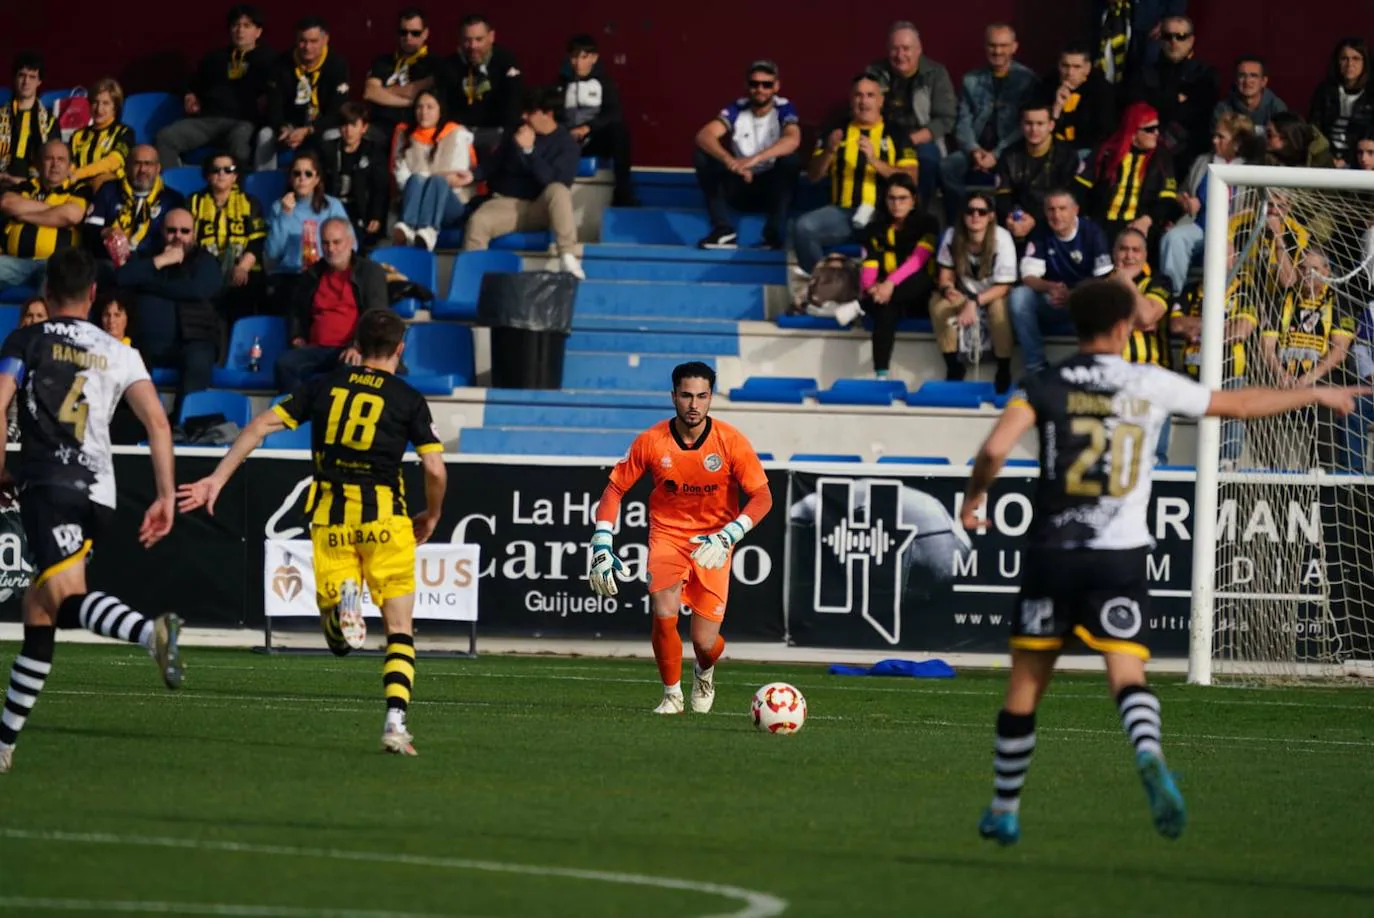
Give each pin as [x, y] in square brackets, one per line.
[979, 208]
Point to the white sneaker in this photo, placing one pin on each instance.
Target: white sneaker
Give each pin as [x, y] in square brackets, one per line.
[351, 623]
[571, 265]
[398, 742]
[429, 236]
[6, 758]
[671, 703]
[846, 313]
[703, 689]
[402, 234]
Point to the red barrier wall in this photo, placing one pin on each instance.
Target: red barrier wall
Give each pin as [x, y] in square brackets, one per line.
[678, 63]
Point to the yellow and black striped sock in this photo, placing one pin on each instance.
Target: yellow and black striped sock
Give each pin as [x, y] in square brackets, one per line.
[398, 676]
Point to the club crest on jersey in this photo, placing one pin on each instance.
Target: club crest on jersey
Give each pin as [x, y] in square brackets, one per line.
[712, 463]
[1121, 617]
[666, 462]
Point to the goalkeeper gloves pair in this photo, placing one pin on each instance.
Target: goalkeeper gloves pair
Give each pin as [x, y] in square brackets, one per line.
[713, 551]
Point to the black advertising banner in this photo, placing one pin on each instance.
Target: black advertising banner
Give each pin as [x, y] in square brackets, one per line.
[532, 522]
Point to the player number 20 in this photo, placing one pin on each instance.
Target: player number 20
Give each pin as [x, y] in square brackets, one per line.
[1123, 458]
[353, 420]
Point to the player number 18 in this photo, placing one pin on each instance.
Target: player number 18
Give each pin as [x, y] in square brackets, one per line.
[353, 418]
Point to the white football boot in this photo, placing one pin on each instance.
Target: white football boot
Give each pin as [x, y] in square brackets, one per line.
[703, 689]
[351, 623]
[671, 704]
[6, 758]
[398, 741]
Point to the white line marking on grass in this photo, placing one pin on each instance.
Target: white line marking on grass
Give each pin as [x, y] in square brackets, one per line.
[198, 908]
[755, 904]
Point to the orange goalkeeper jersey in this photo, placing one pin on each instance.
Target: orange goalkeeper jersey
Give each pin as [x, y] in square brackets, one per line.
[696, 485]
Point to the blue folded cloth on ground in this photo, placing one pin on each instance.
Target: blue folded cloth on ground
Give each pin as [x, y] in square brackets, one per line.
[925, 669]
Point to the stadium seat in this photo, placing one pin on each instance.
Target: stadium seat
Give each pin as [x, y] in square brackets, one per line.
[439, 357]
[186, 179]
[862, 392]
[913, 460]
[417, 265]
[5, 95]
[1014, 463]
[466, 283]
[587, 166]
[939, 393]
[788, 390]
[164, 377]
[266, 186]
[765, 457]
[20, 295]
[271, 333]
[289, 439]
[826, 457]
[235, 406]
[149, 112]
[9, 320]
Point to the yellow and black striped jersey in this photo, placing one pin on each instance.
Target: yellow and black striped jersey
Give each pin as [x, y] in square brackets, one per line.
[361, 420]
[1151, 346]
[1307, 328]
[236, 227]
[1238, 307]
[90, 145]
[853, 180]
[25, 240]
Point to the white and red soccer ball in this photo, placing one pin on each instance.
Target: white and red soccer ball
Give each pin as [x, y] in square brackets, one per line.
[778, 708]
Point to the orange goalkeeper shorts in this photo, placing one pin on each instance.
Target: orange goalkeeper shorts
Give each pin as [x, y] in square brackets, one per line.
[703, 591]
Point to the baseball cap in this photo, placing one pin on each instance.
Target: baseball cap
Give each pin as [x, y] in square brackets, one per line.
[762, 65]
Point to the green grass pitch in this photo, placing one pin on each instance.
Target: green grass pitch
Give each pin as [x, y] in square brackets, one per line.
[545, 787]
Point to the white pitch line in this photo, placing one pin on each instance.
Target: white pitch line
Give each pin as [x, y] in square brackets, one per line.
[755, 904]
[26, 903]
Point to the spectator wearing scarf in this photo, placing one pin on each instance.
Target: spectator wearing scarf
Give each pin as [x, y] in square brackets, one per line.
[133, 205]
[305, 94]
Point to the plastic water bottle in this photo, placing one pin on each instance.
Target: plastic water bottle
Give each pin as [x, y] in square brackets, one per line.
[255, 355]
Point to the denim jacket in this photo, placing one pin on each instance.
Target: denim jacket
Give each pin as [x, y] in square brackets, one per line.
[976, 106]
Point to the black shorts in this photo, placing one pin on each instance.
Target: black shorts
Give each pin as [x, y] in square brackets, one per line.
[60, 525]
[1098, 596]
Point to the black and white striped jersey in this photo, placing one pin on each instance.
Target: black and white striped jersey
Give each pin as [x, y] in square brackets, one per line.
[1099, 419]
[71, 376]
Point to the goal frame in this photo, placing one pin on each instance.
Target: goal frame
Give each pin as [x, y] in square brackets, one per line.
[1216, 230]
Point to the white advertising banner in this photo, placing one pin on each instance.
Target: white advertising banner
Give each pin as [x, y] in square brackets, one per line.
[445, 582]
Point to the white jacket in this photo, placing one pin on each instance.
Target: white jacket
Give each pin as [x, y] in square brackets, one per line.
[454, 153]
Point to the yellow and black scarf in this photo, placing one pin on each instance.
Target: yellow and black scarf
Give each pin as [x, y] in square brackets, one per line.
[1115, 43]
[400, 69]
[238, 64]
[225, 229]
[137, 212]
[9, 115]
[308, 76]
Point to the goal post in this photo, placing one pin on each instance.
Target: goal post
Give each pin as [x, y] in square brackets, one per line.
[1289, 602]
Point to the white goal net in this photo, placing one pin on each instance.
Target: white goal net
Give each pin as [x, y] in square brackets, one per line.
[1284, 579]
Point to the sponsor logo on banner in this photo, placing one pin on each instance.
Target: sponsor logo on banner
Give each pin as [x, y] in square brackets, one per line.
[445, 582]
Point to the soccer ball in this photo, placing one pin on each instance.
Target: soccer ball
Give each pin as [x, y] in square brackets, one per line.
[778, 708]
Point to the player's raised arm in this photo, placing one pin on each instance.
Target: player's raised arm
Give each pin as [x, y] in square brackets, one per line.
[205, 492]
[714, 549]
[1260, 402]
[157, 521]
[1016, 420]
[605, 564]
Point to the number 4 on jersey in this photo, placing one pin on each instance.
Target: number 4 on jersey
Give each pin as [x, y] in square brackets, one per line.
[75, 408]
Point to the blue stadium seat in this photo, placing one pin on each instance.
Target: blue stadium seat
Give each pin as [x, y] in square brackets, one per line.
[587, 166]
[939, 393]
[20, 295]
[5, 95]
[790, 390]
[913, 460]
[267, 186]
[1022, 463]
[826, 457]
[164, 377]
[466, 283]
[809, 323]
[149, 112]
[439, 356]
[289, 439]
[765, 457]
[9, 320]
[418, 265]
[270, 332]
[235, 406]
[862, 392]
[186, 179]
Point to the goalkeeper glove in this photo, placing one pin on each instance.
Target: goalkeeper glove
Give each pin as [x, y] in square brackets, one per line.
[714, 550]
[605, 565]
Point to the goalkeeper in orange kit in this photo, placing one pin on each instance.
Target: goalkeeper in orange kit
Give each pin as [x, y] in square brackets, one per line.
[699, 467]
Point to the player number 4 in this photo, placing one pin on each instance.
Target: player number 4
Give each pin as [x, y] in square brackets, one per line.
[75, 408]
[353, 421]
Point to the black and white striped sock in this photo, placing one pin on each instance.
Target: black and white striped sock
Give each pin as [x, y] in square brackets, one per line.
[105, 615]
[27, 676]
[1011, 758]
[1140, 718]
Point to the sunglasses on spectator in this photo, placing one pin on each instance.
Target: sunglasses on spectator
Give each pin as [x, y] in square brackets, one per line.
[410, 33]
[1148, 129]
[301, 173]
[224, 170]
[1176, 36]
[760, 84]
[977, 211]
